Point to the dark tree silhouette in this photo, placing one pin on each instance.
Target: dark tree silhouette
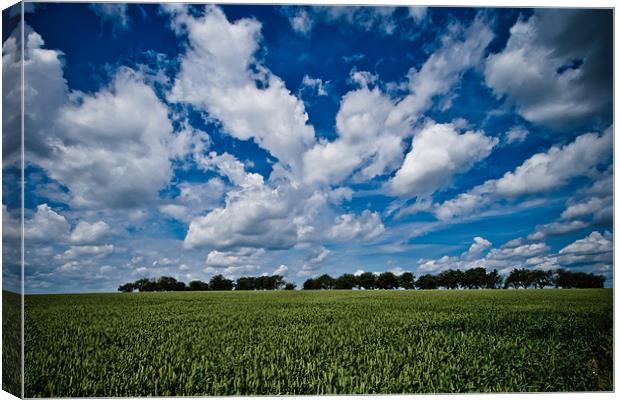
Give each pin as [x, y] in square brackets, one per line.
[345, 281]
[450, 279]
[580, 280]
[426, 282]
[218, 282]
[407, 280]
[127, 287]
[519, 278]
[325, 282]
[289, 286]
[245, 283]
[540, 278]
[311, 284]
[475, 278]
[493, 280]
[198, 286]
[367, 280]
[387, 280]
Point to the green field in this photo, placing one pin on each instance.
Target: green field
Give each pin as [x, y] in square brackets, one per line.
[318, 342]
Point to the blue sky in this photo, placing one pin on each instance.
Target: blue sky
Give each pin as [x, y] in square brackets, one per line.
[249, 140]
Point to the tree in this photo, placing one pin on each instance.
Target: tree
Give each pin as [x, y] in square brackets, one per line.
[127, 287]
[169, 284]
[541, 278]
[325, 282]
[289, 286]
[407, 280]
[519, 277]
[245, 283]
[580, 280]
[493, 280]
[275, 282]
[311, 284]
[450, 279]
[475, 278]
[367, 280]
[145, 285]
[218, 282]
[198, 286]
[426, 282]
[345, 281]
[387, 280]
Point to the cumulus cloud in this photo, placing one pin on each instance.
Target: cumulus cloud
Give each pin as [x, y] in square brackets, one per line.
[281, 270]
[46, 225]
[594, 253]
[371, 125]
[104, 162]
[437, 153]
[594, 248]
[87, 233]
[556, 67]
[220, 74]
[557, 228]
[118, 162]
[239, 257]
[366, 226]
[79, 252]
[194, 199]
[542, 172]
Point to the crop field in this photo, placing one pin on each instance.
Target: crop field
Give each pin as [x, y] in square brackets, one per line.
[318, 342]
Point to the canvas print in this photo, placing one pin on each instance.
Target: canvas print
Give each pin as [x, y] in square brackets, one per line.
[210, 200]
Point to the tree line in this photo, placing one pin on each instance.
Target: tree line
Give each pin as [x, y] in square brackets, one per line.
[473, 278]
[218, 282]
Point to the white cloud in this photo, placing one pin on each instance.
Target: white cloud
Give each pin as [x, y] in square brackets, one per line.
[116, 13]
[362, 78]
[79, 252]
[479, 246]
[219, 74]
[46, 225]
[87, 233]
[513, 254]
[118, 162]
[556, 66]
[516, 134]
[557, 228]
[462, 49]
[254, 216]
[371, 125]
[594, 248]
[384, 20]
[365, 140]
[418, 13]
[105, 162]
[301, 22]
[600, 208]
[242, 256]
[44, 91]
[438, 152]
[546, 171]
[281, 270]
[366, 226]
[196, 198]
[314, 86]
[542, 172]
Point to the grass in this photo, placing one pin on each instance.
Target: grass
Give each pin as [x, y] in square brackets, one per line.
[11, 343]
[311, 342]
